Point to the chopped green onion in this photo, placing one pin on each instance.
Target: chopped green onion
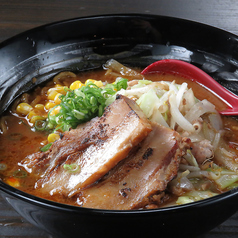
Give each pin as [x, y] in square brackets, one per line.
[83, 104]
[46, 147]
[3, 166]
[40, 125]
[79, 115]
[72, 168]
[20, 173]
[120, 84]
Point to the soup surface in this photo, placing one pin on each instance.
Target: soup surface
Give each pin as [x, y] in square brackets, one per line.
[23, 133]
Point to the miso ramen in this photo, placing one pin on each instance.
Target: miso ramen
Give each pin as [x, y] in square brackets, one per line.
[116, 139]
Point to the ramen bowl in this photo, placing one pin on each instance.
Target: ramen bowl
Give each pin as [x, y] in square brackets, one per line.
[135, 40]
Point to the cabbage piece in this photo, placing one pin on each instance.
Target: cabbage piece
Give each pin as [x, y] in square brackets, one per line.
[216, 121]
[137, 92]
[226, 180]
[224, 157]
[190, 100]
[183, 200]
[208, 132]
[157, 117]
[199, 109]
[194, 196]
[216, 140]
[148, 102]
[141, 83]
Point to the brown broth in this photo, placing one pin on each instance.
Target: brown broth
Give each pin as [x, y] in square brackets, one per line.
[20, 140]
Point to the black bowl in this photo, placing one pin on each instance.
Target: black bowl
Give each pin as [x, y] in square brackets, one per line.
[135, 40]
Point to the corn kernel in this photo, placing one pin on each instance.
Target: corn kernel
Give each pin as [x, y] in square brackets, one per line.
[13, 182]
[39, 107]
[36, 118]
[51, 94]
[31, 114]
[57, 89]
[53, 137]
[76, 84]
[50, 90]
[24, 108]
[55, 111]
[57, 99]
[58, 85]
[90, 80]
[49, 105]
[98, 83]
[60, 89]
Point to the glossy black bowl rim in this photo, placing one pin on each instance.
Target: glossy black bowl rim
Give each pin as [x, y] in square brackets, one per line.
[76, 209]
[18, 194]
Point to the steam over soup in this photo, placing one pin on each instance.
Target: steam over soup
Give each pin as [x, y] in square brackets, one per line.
[114, 139]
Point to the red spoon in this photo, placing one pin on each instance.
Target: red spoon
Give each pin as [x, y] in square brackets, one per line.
[195, 74]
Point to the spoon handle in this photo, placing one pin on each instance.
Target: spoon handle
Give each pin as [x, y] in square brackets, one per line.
[195, 74]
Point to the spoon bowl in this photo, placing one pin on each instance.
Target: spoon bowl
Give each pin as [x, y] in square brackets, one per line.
[191, 72]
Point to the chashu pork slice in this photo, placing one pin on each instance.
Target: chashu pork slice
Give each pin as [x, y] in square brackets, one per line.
[144, 173]
[91, 150]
